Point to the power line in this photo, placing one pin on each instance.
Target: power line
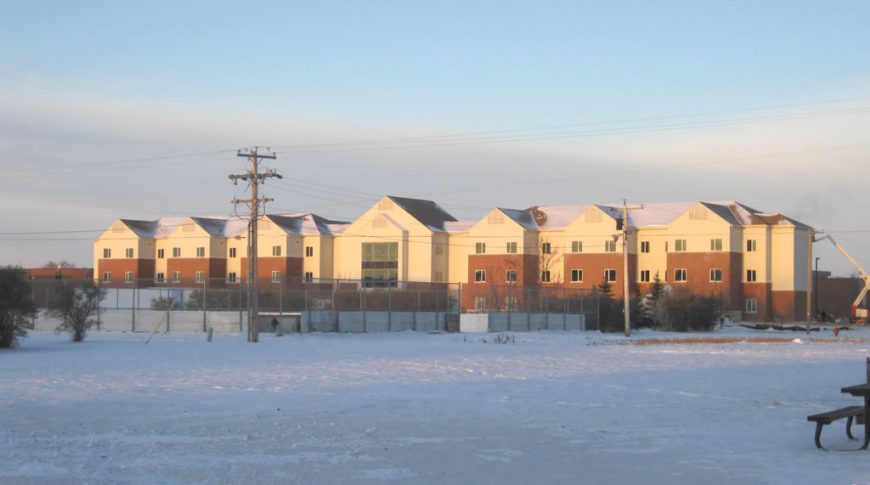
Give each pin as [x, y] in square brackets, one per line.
[562, 126]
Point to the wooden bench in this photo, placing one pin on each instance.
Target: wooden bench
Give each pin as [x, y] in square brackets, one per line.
[850, 412]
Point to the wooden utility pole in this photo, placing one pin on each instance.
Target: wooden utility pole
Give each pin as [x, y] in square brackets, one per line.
[626, 297]
[254, 177]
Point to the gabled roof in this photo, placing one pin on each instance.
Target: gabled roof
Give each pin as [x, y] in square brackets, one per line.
[141, 228]
[214, 227]
[524, 218]
[426, 212]
[306, 224]
[556, 216]
[458, 226]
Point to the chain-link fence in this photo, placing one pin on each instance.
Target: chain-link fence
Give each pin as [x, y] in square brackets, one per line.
[136, 305]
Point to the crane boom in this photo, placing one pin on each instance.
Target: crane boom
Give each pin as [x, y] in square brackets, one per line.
[863, 274]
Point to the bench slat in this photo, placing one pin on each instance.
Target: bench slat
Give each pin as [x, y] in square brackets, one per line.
[831, 416]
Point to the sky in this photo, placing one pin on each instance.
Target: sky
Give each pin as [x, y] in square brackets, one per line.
[136, 109]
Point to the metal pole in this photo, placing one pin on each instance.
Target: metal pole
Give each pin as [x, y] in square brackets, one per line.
[816, 288]
[625, 295]
[809, 277]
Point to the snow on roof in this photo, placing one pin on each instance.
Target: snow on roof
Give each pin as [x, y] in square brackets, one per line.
[165, 225]
[557, 216]
[307, 224]
[656, 214]
[458, 226]
[524, 218]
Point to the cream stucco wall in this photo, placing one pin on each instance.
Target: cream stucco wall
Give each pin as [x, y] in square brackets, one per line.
[698, 226]
[760, 259]
[593, 228]
[656, 260]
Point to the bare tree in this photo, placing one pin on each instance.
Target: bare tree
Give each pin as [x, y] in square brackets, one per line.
[58, 264]
[75, 307]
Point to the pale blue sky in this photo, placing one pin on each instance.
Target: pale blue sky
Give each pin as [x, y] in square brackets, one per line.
[105, 81]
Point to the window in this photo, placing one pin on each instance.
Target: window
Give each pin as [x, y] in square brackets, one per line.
[439, 249]
[751, 245]
[107, 277]
[680, 245]
[231, 277]
[751, 305]
[750, 276]
[610, 246]
[160, 254]
[680, 275]
[480, 303]
[200, 276]
[480, 276]
[439, 276]
[309, 276]
[232, 252]
[128, 252]
[128, 277]
[716, 245]
[545, 276]
[480, 248]
[176, 276]
[309, 251]
[159, 278]
[610, 275]
[644, 246]
[644, 276]
[576, 246]
[200, 252]
[510, 303]
[510, 276]
[176, 252]
[716, 275]
[276, 276]
[107, 253]
[576, 276]
[545, 248]
[380, 264]
[276, 250]
[511, 247]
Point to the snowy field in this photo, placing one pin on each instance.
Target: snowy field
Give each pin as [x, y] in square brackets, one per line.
[420, 408]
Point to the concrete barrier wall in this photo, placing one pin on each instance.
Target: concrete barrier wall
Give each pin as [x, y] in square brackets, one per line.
[520, 322]
[329, 321]
[474, 322]
[147, 320]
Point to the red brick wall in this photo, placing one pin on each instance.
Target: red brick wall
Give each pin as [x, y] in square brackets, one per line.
[495, 289]
[698, 266]
[593, 266]
[789, 306]
[289, 267]
[212, 267]
[761, 292]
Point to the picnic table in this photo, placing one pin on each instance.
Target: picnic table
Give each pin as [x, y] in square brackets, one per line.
[862, 390]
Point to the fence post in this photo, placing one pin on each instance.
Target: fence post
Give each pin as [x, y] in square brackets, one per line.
[241, 325]
[389, 309]
[281, 296]
[204, 303]
[133, 306]
[414, 320]
[564, 309]
[99, 307]
[168, 310]
[363, 303]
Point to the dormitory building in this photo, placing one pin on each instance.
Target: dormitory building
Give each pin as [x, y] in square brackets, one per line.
[757, 262]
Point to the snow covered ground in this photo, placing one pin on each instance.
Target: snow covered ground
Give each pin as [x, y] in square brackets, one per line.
[422, 408]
